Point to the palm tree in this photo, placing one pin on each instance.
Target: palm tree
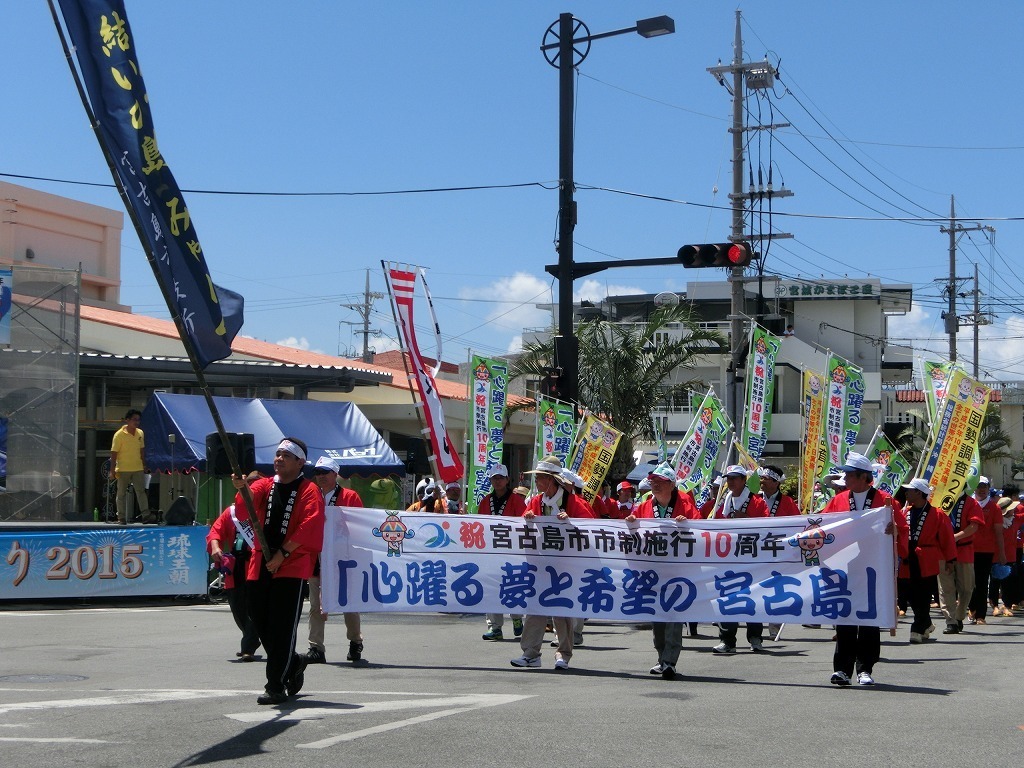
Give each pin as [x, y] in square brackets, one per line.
[627, 370]
[994, 442]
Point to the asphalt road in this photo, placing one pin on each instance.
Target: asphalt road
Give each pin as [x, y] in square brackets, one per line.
[157, 684]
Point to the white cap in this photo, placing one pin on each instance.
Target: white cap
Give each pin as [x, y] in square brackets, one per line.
[857, 462]
[644, 485]
[326, 462]
[982, 480]
[918, 484]
[498, 470]
[735, 470]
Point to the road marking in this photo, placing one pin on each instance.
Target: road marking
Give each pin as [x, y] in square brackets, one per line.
[470, 701]
[382, 728]
[453, 705]
[58, 740]
[130, 697]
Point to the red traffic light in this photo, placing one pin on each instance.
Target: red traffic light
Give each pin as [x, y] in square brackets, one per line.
[715, 255]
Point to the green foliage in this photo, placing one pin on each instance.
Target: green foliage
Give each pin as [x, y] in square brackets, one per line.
[627, 370]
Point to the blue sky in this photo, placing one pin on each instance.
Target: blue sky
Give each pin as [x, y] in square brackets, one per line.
[894, 107]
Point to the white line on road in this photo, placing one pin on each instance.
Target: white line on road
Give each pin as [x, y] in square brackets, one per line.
[133, 697]
[382, 728]
[57, 740]
[471, 701]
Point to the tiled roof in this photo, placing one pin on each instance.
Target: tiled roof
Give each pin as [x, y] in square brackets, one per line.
[265, 350]
[917, 396]
[395, 360]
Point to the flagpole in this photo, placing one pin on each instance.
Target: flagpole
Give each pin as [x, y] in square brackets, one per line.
[416, 405]
[175, 316]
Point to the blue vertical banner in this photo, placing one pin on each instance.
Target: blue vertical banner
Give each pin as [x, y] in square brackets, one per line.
[116, 94]
[6, 304]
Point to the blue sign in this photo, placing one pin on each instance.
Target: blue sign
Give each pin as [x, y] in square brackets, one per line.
[103, 562]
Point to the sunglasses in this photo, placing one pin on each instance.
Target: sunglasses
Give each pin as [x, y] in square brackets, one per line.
[322, 471]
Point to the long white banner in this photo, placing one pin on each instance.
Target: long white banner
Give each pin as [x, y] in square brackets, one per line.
[835, 568]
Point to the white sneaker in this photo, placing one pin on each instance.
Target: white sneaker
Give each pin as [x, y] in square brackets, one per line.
[928, 631]
[526, 661]
[658, 668]
[724, 649]
[757, 646]
[840, 678]
[559, 664]
[916, 638]
[865, 678]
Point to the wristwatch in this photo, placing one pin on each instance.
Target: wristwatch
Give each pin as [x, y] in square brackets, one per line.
[285, 553]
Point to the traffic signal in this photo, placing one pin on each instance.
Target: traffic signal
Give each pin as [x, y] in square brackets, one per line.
[715, 255]
[551, 383]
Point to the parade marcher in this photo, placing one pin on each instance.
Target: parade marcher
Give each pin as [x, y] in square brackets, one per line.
[573, 484]
[421, 492]
[325, 475]
[290, 510]
[230, 547]
[738, 502]
[453, 503]
[931, 541]
[666, 502]
[550, 500]
[1012, 520]
[777, 503]
[858, 648]
[626, 503]
[988, 549]
[643, 489]
[502, 500]
[956, 583]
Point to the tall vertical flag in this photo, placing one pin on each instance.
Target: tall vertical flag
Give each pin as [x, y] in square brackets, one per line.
[6, 303]
[594, 453]
[955, 439]
[556, 429]
[936, 379]
[813, 453]
[757, 417]
[487, 390]
[843, 404]
[892, 468]
[659, 440]
[401, 287]
[116, 99]
[697, 455]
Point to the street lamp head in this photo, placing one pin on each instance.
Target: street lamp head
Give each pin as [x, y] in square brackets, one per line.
[656, 26]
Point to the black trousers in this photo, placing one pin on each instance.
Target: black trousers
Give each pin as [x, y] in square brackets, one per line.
[275, 606]
[1008, 588]
[237, 602]
[920, 589]
[727, 632]
[982, 570]
[857, 649]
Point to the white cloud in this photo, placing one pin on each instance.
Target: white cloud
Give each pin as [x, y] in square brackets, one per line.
[518, 295]
[595, 290]
[1001, 344]
[295, 342]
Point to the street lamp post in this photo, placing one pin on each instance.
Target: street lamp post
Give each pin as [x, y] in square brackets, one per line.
[564, 50]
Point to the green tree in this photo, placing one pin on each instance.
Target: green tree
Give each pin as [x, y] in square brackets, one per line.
[629, 369]
[994, 443]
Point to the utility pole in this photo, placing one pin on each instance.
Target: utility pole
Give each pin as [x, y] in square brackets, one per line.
[758, 75]
[951, 321]
[364, 311]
